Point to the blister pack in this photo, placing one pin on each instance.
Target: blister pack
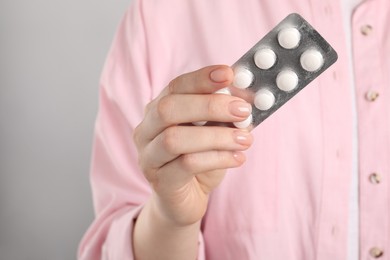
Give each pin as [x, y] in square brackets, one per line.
[280, 65]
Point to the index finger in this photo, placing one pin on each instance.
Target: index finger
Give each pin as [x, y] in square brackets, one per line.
[203, 81]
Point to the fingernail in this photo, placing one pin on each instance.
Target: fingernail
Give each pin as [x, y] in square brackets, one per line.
[242, 137]
[240, 108]
[239, 156]
[219, 75]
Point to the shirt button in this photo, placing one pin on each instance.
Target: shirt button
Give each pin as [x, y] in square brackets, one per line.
[376, 252]
[366, 29]
[375, 178]
[372, 95]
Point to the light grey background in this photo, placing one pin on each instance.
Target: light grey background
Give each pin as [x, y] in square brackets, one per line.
[51, 55]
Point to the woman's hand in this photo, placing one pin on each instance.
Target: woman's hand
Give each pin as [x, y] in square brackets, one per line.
[183, 162]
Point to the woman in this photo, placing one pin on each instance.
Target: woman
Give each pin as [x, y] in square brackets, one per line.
[177, 191]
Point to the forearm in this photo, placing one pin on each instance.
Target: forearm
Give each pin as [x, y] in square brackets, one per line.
[156, 238]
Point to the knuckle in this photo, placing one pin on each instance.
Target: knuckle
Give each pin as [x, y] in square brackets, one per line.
[173, 85]
[165, 108]
[148, 172]
[212, 105]
[170, 140]
[189, 162]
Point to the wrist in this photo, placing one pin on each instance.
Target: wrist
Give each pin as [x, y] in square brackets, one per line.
[162, 214]
[157, 237]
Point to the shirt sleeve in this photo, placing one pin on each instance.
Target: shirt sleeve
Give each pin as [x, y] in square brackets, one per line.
[119, 188]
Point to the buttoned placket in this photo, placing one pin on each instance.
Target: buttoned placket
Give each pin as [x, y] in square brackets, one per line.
[373, 130]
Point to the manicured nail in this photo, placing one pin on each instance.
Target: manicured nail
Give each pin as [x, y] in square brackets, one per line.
[239, 156]
[240, 108]
[242, 137]
[219, 75]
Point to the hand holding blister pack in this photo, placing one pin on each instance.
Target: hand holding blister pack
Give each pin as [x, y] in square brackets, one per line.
[280, 65]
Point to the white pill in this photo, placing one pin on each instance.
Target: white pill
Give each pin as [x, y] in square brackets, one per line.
[264, 99]
[265, 58]
[311, 60]
[242, 78]
[199, 123]
[225, 91]
[244, 124]
[287, 80]
[289, 38]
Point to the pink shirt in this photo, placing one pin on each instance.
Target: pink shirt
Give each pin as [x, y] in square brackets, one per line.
[291, 198]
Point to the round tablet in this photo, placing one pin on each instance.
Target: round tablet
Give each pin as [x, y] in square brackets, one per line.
[225, 91]
[289, 38]
[265, 58]
[199, 123]
[264, 99]
[287, 80]
[244, 124]
[242, 78]
[311, 60]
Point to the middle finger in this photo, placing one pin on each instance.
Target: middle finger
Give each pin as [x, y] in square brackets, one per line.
[179, 109]
[177, 140]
